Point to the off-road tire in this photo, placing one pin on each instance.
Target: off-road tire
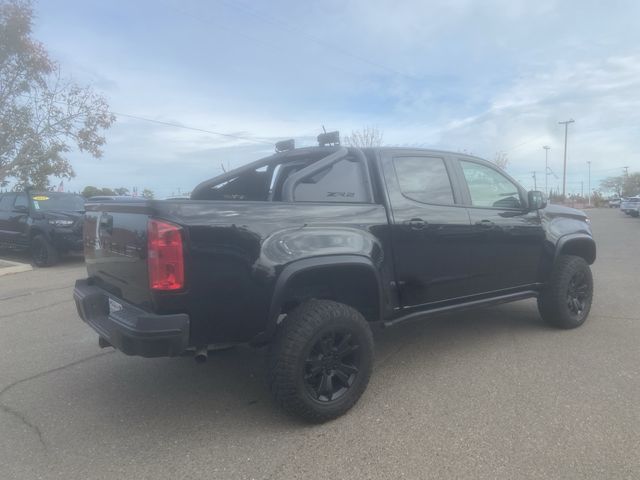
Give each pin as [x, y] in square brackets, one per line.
[298, 351]
[43, 253]
[563, 303]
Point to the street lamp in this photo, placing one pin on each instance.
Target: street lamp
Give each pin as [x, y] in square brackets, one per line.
[546, 169]
[589, 183]
[564, 172]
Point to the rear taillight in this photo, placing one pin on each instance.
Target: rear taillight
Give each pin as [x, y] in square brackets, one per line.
[165, 256]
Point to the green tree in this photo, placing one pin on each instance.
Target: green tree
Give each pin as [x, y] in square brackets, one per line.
[146, 193]
[91, 191]
[121, 191]
[42, 115]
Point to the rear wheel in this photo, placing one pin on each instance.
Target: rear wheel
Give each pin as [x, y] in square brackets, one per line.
[43, 253]
[321, 360]
[566, 300]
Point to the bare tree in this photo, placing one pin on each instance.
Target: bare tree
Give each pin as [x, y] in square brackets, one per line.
[41, 114]
[367, 137]
[501, 160]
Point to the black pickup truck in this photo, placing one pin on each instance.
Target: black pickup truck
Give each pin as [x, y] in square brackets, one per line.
[308, 249]
[46, 223]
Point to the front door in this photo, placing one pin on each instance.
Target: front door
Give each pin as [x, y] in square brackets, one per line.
[431, 231]
[17, 223]
[6, 212]
[508, 238]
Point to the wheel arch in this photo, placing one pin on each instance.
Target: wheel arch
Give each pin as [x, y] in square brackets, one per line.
[349, 279]
[580, 245]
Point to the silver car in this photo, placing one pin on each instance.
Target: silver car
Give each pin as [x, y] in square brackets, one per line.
[631, 206]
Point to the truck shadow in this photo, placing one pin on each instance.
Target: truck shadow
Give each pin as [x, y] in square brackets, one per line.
[23, 256]
[230, 392]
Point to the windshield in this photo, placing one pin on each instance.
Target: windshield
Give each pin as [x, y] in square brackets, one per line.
[57, 201]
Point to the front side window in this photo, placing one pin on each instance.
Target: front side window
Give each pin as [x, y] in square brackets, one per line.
[489, 188]
[424, 179]
[21, 200]
[343, 181]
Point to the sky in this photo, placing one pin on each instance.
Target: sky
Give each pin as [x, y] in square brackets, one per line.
[459, 75]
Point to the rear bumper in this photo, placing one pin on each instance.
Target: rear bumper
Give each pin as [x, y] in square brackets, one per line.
[128, 328]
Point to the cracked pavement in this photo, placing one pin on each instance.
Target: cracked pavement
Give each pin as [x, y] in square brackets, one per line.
[490, 393]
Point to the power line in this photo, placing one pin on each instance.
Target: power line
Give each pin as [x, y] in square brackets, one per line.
[524, 143]
[195, 129]
[184, 127]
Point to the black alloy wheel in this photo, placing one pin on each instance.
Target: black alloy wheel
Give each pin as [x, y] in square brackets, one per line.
[321, 360]
[577, 293]
[332, 366]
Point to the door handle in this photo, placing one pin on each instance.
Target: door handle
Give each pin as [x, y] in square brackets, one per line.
[415, 223]
[485, 223]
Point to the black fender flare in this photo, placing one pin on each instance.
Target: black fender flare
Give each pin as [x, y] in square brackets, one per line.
[575, 237]
[289, 273]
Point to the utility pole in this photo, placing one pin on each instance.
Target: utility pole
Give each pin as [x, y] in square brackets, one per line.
[626, 171]
[589, 183]
[582, 188]
[564, 171]
[535, 183]
[546, 169]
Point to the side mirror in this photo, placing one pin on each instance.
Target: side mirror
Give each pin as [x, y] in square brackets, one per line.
[537, 200]
[21, 209]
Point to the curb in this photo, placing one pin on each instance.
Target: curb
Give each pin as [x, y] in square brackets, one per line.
[7, 267]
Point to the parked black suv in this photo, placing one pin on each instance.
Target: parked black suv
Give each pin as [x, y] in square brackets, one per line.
[306, 250]
[47, 223]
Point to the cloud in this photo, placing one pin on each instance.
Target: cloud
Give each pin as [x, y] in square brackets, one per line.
[455, 74]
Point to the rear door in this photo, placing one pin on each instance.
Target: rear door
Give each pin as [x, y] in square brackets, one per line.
[431, 230]
[508, 239]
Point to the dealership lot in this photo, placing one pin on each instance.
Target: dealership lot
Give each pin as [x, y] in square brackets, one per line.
[493, 393]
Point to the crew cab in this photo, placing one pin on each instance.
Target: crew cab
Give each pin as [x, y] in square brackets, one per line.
[309, 249]
[49, 224]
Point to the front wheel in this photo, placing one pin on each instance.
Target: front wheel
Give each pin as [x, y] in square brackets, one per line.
[566, 300]
[321, 360]
[43, 253]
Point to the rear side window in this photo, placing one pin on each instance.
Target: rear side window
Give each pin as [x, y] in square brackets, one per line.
[344, 181]
[6, 202]
[424, 179]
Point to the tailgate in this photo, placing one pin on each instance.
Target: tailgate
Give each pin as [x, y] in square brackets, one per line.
[115, 247]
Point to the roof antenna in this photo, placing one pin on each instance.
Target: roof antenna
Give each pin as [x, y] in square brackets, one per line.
[324, 129]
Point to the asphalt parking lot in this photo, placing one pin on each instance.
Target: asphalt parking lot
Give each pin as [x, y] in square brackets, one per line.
[492, 393]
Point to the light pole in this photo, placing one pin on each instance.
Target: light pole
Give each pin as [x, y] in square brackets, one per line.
[546, 169]
[589, 183]
[564, 171]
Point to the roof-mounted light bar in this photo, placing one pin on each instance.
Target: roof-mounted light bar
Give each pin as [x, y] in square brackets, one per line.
[329, 138]
[285, 145]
